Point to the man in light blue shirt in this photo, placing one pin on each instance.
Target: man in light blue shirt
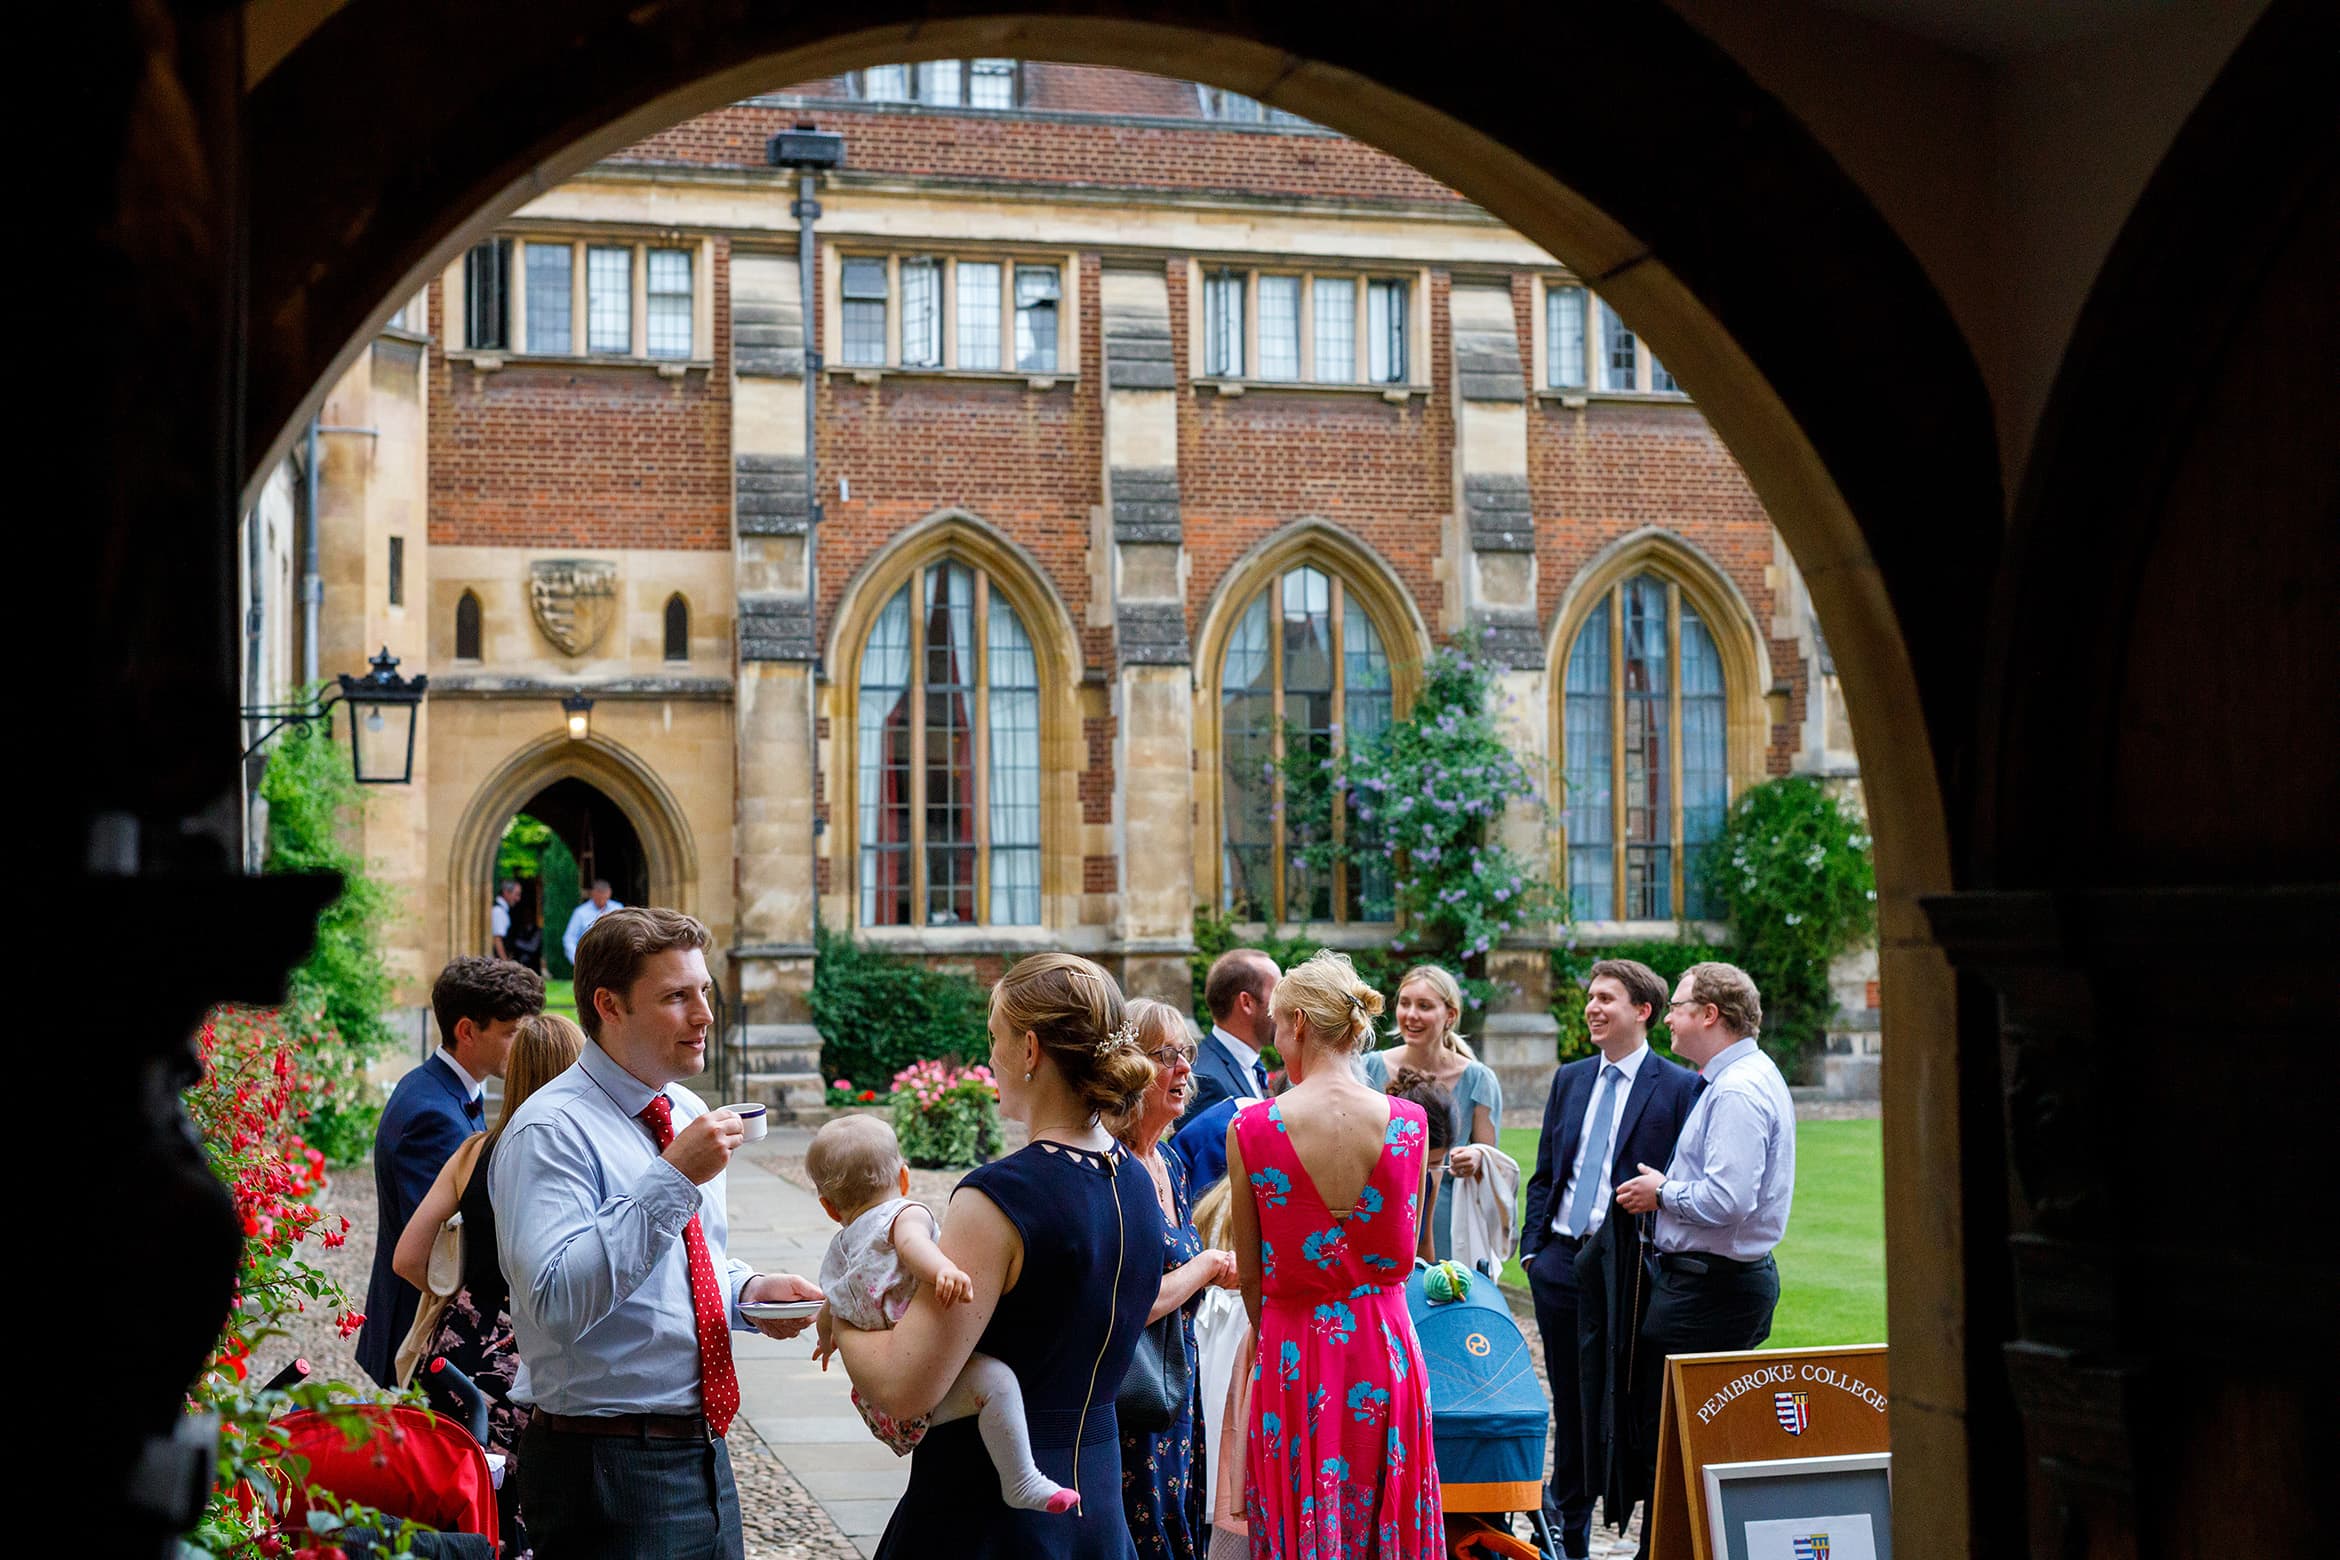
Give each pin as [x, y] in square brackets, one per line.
[1722, 1202]
[608, 1188]
[590, 909]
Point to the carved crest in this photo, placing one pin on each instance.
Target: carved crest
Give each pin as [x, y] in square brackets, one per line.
[574, 599]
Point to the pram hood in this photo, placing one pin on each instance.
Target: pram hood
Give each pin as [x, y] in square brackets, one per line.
[1486, 1409]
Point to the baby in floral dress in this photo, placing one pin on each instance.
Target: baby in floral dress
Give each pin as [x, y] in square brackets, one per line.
[887, 1248]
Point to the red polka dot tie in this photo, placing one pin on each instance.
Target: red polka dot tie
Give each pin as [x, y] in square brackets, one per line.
[718, 1380]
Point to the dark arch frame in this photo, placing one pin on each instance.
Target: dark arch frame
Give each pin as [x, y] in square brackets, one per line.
[677, 627]
[470, 629]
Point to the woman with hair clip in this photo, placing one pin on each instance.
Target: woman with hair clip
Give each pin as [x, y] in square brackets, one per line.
[1063, 1243]
[1340, 1457]
[1162, 1481]
[474, 1332]
[1430, 1041]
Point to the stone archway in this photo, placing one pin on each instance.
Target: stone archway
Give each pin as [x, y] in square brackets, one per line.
[1879, 466]
[670, 865]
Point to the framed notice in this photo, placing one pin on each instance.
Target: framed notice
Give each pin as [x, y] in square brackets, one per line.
[1786, 1409]
[1801, 1508]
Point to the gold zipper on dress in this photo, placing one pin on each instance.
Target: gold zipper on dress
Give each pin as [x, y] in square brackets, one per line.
[1112, 1308]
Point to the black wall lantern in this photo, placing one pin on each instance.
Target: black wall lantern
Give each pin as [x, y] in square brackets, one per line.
[383, 709]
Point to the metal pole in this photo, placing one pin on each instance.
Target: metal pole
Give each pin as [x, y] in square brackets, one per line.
[807, 292]
[312, 577]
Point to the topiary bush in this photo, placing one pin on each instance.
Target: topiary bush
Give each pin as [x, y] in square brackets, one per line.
[878, 1013]
[1792, 872]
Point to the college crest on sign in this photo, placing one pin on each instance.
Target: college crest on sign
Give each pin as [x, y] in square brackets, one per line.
[1812, 1547]
[1795, 1417]
[574, 600]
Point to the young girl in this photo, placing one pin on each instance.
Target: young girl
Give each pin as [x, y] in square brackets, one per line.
[886, 1249]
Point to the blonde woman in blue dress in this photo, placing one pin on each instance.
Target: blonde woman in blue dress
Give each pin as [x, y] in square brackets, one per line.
[1430, 1040]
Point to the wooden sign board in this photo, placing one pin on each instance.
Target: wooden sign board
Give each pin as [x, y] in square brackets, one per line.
[1756, 1406]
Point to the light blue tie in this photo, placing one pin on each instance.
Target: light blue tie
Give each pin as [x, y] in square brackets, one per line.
[1596, 1152]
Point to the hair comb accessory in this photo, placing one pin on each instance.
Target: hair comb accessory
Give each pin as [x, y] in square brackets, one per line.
[1123, 1039]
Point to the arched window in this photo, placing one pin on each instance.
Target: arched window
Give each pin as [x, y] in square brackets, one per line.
[1305, 670]
[467, 627]
[948, 757]
[1644, 749]
[678, 628]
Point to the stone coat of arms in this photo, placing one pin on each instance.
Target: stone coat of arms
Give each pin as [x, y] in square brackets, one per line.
[574, 600]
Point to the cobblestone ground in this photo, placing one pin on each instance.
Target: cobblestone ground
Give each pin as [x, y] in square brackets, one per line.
[781, 1520]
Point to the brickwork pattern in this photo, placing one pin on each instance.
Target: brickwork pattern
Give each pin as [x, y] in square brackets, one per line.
[582, 455]
[998, 147]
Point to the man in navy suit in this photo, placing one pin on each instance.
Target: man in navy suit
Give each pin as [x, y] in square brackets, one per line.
[1227, 1063]
[1606, 1112]
[479, 1004]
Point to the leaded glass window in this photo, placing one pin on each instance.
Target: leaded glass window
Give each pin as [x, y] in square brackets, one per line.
[1564, 337]
[609, 299]
[1385, 332]
[1644, 754]
[667, 279]
[1336, 329]
[992, 84]
[1223, 325]
[922, 323]
[941, 82]
[1279, 327]
[1305, 672]
[550, 307]
[976, 296]
[863, 287]
[1617, 352]
[1037, 294]
[947, 802]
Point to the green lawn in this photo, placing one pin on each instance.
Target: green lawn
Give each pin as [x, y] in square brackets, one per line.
[1832, 1263]
[560, 997]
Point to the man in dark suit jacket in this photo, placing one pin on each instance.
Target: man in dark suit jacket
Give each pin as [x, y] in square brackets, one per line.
[1227, 1064]
[479, 1004]
[1606, 1114]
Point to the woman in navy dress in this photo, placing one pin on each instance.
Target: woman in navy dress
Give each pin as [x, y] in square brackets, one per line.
[1168, 1512]
[1063, 1240]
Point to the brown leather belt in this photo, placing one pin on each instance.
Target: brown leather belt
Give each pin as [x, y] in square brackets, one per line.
[656, 1427]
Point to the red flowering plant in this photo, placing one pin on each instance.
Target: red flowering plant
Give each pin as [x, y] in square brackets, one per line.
[247, 1109]
[843, 1093]
[946, 1115]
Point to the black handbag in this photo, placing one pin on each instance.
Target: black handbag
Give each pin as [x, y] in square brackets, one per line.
[1160, 1379]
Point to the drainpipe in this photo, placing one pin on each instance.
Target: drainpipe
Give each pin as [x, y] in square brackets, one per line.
[312, 576]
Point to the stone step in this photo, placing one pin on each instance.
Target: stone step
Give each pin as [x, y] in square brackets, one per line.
[787, 1093]
[777, 1058]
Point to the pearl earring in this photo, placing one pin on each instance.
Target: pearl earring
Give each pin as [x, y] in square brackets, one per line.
[1027, 1077]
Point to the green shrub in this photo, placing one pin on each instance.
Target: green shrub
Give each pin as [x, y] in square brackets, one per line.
[1792, 872]
[1572, 968]
[946, 1117]
[878, 1013]
[337, 998]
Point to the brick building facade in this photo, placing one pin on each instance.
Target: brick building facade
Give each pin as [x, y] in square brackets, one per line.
[1130, 395]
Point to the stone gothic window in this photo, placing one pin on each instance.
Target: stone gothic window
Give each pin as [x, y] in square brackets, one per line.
[467, 627]
[1305, 671]
[1643, 749]
[948, 757]
[678, 628]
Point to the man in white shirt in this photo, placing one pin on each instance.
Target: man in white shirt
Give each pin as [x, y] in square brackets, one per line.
[591, 909]
[500, 918]
[1722, 1201]
[1604, 1112]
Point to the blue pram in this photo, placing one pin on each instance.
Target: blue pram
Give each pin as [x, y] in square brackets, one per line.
[1487, 1413]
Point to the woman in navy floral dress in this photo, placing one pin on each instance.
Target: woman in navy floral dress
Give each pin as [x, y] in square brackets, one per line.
[1162, 1481]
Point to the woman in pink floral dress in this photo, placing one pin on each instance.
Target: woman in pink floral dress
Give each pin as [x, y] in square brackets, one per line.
[1340, 1461]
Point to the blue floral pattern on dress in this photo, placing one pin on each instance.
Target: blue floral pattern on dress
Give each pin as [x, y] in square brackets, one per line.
[1273, 1184]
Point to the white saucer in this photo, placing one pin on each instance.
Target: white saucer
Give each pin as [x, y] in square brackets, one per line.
[779, 1310]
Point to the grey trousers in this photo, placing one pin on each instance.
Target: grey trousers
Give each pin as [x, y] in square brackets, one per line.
[595, 1497]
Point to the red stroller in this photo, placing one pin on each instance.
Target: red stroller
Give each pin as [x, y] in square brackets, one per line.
[416, 1464]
